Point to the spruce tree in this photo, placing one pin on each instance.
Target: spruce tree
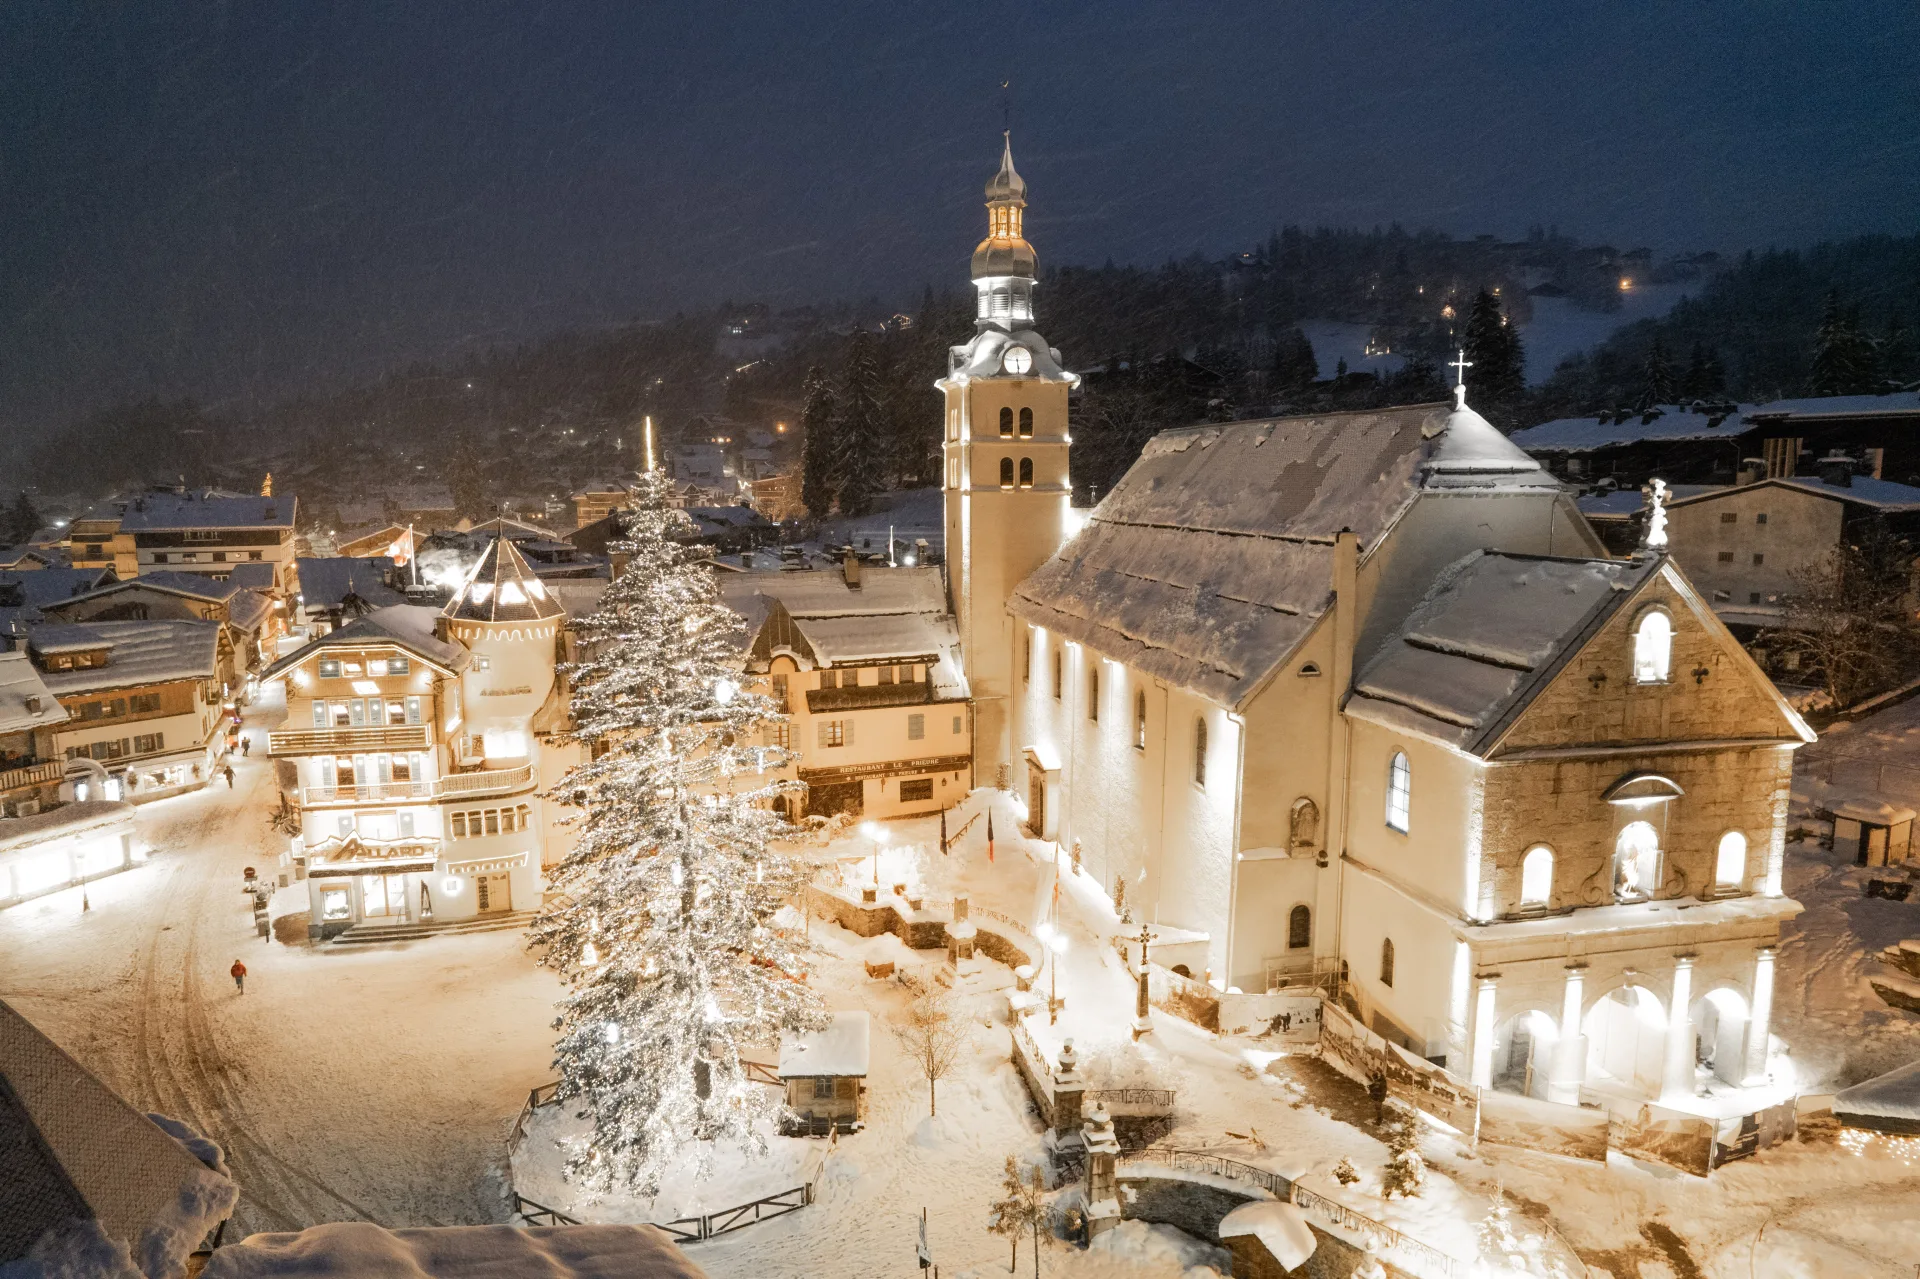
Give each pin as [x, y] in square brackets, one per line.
[1500, 1245]
[1657, 386]
[662, 923]
[1844, 359]
[1705, 377]
[1406, 1172]
[859, 436]
[1498, 376]
[1294, 366]
[817, 419]
[22, 520]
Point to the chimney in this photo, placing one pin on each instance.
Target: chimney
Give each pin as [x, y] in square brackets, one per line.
[1837, 469]
[1752, 470]
[850, 566]
[33, 706]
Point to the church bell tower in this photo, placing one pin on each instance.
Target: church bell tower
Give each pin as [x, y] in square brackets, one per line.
[1007, 492]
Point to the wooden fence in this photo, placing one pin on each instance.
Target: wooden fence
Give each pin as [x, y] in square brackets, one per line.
[539, 1214]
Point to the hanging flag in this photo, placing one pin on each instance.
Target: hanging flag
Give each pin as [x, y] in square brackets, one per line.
[943, 832]
[926, 1257]
[989, 834]
[1056, 881]
[400, 550]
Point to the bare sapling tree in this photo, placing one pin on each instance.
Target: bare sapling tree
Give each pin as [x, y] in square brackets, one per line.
[1850, 614]
[932, 1032]
[1022, 1209]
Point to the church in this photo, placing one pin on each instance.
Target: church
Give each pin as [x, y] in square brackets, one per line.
[1360, 701]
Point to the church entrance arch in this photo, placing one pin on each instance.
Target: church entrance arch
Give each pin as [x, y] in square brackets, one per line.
[1720, 1034]
[1626, 1039]
[1523, 1052]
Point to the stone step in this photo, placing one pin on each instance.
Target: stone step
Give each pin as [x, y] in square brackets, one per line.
[378, 934]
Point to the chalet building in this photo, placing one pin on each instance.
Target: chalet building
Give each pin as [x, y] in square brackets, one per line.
[1882, 430]
[417, 747]
[24, 596]
[331, 591]
[599, 499]
[210, 533]
[864, 662]
[29, 771]
[1360, 700]
[144, 700]
[256, 618]
[390, 540]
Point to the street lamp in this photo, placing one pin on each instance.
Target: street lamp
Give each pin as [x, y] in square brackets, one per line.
[875, 832]
[1055, 941]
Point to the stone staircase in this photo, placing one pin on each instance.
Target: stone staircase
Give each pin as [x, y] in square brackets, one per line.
[383, 934]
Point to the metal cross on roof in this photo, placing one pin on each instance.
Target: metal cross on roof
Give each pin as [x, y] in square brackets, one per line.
[1460, 364]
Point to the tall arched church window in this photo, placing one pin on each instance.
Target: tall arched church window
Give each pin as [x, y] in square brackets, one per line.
[1536, 876]
[1006, 422]
[1730, 861]
[1299, 928]
[1386, 962]
[1006, 472]
[1200, 751]
[1652, 648]
[1026, 472]
[1026, 422]
[1399, 791]
[1140, 720]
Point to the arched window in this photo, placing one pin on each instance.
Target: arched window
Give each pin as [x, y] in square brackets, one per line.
[1006, 422]
[1056, 674]
[1536, 876]
[1140, 720]
[1399, 791]
[1093, 689]
[1026, 472]
[1730, 863]
[1303, 826]
[1006, 472]
[1636, 862]
[1299, 928]
[1026, 422]
[1652, 649]
[1200, 752]
[1386, 962]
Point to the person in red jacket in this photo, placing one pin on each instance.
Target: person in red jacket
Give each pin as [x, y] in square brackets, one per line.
[239, 971]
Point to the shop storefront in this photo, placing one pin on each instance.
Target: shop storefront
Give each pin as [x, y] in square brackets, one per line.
[366, 881]
[62, 847]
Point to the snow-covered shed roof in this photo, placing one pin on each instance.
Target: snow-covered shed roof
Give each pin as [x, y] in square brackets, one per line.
[21, 686]
[1624, 504]
[1280, 1226]
[253, 575]
[1885, 1103]
[326, 582]
[502, 587]
[245, 608]
[82, 817]
[894, 612]
[411, 626]
[142, 653]
[358, 1249]
[1896, 404]
[36, 588]
[1864, 490]
[1212, 558]
[154, 512]
[839, 1049]
[1489, 633]
[78, 1163]
[1663, 423]
[66, 637]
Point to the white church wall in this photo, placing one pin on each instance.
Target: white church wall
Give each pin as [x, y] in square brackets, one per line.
[1416, 1000]
[1436, 855]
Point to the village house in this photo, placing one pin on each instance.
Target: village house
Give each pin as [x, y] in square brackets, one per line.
[208, 532]
[256, 618]
[599, 499]
[418, 746]
[863, 661]
[825, 1072]
[29, 771]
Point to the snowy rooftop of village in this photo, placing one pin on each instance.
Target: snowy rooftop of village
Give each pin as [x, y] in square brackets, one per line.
[325, 582]
[409, 625]
[20, 681]
[893, 613]
[1663, 422]
[142, 653]
[151, 512]
[501, 587]
[1901, 402]
[839, 1049]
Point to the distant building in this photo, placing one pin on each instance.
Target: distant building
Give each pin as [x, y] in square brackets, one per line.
[333, 590]
[778, 497]
[599, 499]
[29, 770]
[391, 540]
[257, 619]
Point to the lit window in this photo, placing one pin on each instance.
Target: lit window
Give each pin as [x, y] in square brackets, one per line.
[1652, 649]
[1536, 876]
[1730, 864]
[1026, 422]
[1636, 862]
[1399, 791]
[1200, 752]
[1140, 720]
[1026, 472]
[1006, 472]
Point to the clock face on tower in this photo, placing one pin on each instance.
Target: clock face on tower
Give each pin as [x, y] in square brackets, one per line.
[1017, 360]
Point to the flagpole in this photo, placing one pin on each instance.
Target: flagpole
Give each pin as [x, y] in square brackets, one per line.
[413, 559]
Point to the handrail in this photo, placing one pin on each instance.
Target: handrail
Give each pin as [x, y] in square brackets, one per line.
[1023, 1040]
[32, 774]
[321, 741]
[553, 1216]
[1133, 1096]
[486, 782]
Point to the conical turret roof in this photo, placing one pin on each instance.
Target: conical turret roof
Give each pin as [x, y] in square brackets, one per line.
[1471, 452]
[503, 588]
[1007, 185]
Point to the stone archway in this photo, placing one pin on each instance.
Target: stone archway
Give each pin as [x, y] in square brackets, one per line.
[1626, 1031]
[1523, 1047]
[1720, 1019]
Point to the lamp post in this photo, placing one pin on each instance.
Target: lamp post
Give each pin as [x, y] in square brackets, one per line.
[873, 832]
[1142, 1023]
[1056, 943]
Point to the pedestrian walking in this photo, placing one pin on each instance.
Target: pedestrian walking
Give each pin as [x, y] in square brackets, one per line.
[229, 772]
[246, 745]
[239, 971]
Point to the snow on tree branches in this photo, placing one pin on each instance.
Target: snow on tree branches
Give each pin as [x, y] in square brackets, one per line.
[662, 923]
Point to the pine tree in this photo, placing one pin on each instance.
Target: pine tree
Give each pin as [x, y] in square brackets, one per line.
[1844, 359]
[22, 520]
[1498, 376]
[859, 436]
[1500, 1244]
[1705, 377]
[1294, 365]
[1657, 373]
[817, 419]
[1406, 1172]
[1897, 365]
[662, 924]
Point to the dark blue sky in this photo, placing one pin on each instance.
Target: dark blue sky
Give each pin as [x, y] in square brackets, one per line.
[236, 199]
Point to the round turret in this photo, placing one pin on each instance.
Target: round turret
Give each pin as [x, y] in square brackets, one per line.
[510, 625]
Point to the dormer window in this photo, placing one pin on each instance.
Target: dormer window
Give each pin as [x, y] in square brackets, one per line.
[1652, 648]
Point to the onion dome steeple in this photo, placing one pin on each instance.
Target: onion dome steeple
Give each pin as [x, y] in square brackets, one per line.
[1004, 266]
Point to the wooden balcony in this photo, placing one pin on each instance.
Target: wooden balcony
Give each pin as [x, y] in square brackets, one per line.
[350, 741]
[492, 781]
[29, 775]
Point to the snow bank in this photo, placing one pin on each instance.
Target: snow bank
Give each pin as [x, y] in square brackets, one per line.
[76, 1249]
[364, 1251]
[1280, 1227]
[1136, 1245]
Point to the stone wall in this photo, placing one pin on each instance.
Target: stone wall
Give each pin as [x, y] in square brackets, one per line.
[1198, 1206]
[920, 930]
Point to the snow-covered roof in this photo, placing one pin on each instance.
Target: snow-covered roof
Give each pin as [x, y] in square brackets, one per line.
[1623, 504]
[502, 587]
[1886, 1103]
[1664, 423]
[154, 512]
[894, 613]
[326, 582]
[840, 1049]
[1902, 403]
[1874, 811]
[80, 1166]
[1280, 1226]
[245, 608]
[82, 817]
[411, 626]
[36, 588]
[1213, 557]
[359, 1249]
[143, 653]
[1882, 495]
[66, 637]
[20, 683]
[579, 596]
[1479, 645]
[254, 576]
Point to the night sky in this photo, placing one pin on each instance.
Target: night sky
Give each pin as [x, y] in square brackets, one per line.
[236, 200]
